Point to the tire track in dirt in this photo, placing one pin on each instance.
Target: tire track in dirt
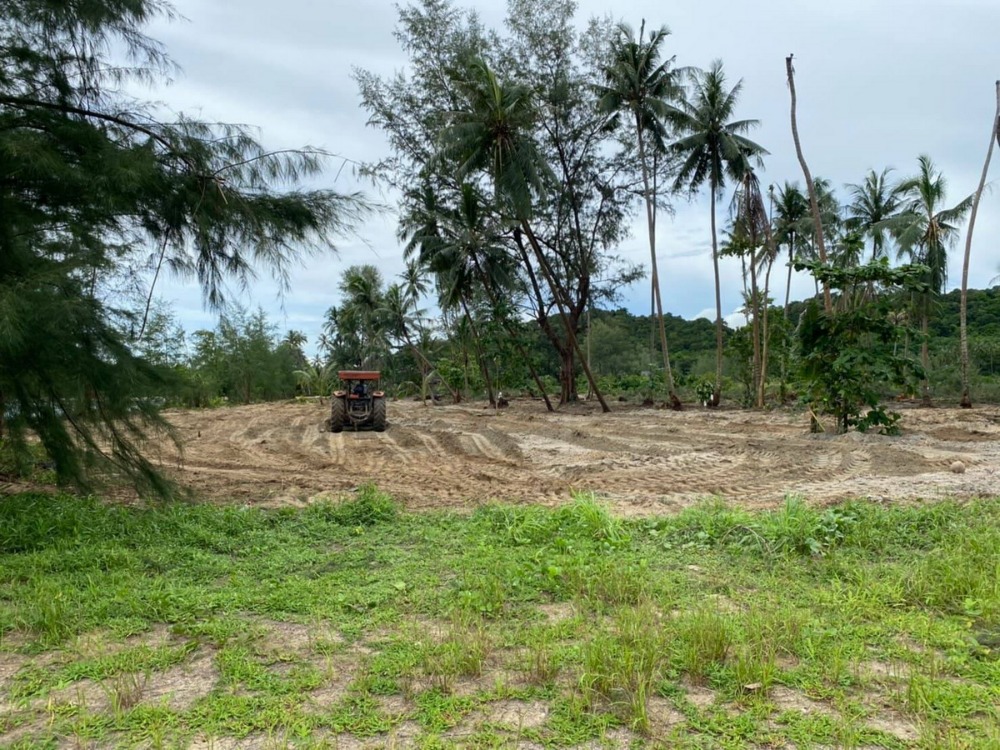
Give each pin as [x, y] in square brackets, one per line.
[641, 460]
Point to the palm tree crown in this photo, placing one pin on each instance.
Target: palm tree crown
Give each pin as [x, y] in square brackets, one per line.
[925, 230]
[873, 202]
[712, 147]
[492, 133]
[640, 83]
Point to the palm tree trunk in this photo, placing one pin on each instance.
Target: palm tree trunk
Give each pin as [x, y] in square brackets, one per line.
[515, 339]
[755, 331]
[743, 273]
[717, 393]
[813, 202]
[791, 263]
[966, 402]
[767, 335]
[675, 402]
[556, 295]
[925, 358]
[483, 364]
[427, 366]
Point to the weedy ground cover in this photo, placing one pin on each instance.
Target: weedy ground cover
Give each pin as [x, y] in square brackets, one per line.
[354, 624]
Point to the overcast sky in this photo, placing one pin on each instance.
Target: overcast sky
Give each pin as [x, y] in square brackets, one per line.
[879, 83]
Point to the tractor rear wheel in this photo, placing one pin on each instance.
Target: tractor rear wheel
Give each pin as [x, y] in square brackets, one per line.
[378, 415]
[338, 414]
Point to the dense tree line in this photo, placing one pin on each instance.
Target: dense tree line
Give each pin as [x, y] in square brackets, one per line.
[246, 358]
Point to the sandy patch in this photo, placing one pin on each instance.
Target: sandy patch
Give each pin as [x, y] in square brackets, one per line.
[643, 461]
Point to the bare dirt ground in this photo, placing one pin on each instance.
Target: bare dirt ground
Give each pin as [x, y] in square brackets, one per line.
[643, 461]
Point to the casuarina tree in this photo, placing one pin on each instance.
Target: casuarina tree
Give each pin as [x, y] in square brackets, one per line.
[92, 185]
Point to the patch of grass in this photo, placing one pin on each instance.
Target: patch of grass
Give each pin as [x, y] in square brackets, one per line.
[698, 629]
[360, 715]
[438, 711]
[368, 507]
[461, 653]
[240, 667]
[701, 642]
[622, 664]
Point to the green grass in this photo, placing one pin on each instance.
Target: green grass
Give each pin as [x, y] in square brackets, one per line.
[858, 625]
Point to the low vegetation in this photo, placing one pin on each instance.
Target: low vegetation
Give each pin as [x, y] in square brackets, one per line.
[355, 624]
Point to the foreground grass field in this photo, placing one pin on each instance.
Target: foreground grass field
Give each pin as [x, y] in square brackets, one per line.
[354, 625]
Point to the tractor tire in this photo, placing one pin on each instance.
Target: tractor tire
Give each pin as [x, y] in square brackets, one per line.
[378, 415]
[338, 414]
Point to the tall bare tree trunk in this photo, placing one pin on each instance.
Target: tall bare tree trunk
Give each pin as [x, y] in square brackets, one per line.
[813, 202]
[675, 402]
[966, 402]
[717, 392]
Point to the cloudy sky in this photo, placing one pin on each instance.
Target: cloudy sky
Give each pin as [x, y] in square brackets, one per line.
[879, 83]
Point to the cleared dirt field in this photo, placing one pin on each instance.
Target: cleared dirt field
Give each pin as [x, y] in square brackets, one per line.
[643, 461]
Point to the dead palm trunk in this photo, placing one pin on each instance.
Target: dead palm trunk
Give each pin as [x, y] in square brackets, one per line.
[966, 402]
[675, 402]
[717, 392]
[813, 202]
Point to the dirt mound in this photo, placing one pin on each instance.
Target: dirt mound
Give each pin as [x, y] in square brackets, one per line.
[642, 460]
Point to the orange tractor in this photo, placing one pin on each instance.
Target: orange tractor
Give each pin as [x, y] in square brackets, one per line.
[359, 402]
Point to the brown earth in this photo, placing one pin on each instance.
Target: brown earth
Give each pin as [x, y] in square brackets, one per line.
[642, 461]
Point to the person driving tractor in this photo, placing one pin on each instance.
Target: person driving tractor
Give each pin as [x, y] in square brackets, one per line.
[359, 389]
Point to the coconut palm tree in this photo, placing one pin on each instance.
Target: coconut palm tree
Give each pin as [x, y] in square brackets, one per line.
[463, 248]
[790, 213]
[831, 223]
[752, 226]
[491, 133]
[713, 147]
[924, 231]
[452, 243]
[359, 322]
[644, 87]
[873, 202]
[294, 341]
[414, 280]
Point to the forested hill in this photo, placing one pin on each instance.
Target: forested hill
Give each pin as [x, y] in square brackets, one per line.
[621, 341]
[984, 314]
